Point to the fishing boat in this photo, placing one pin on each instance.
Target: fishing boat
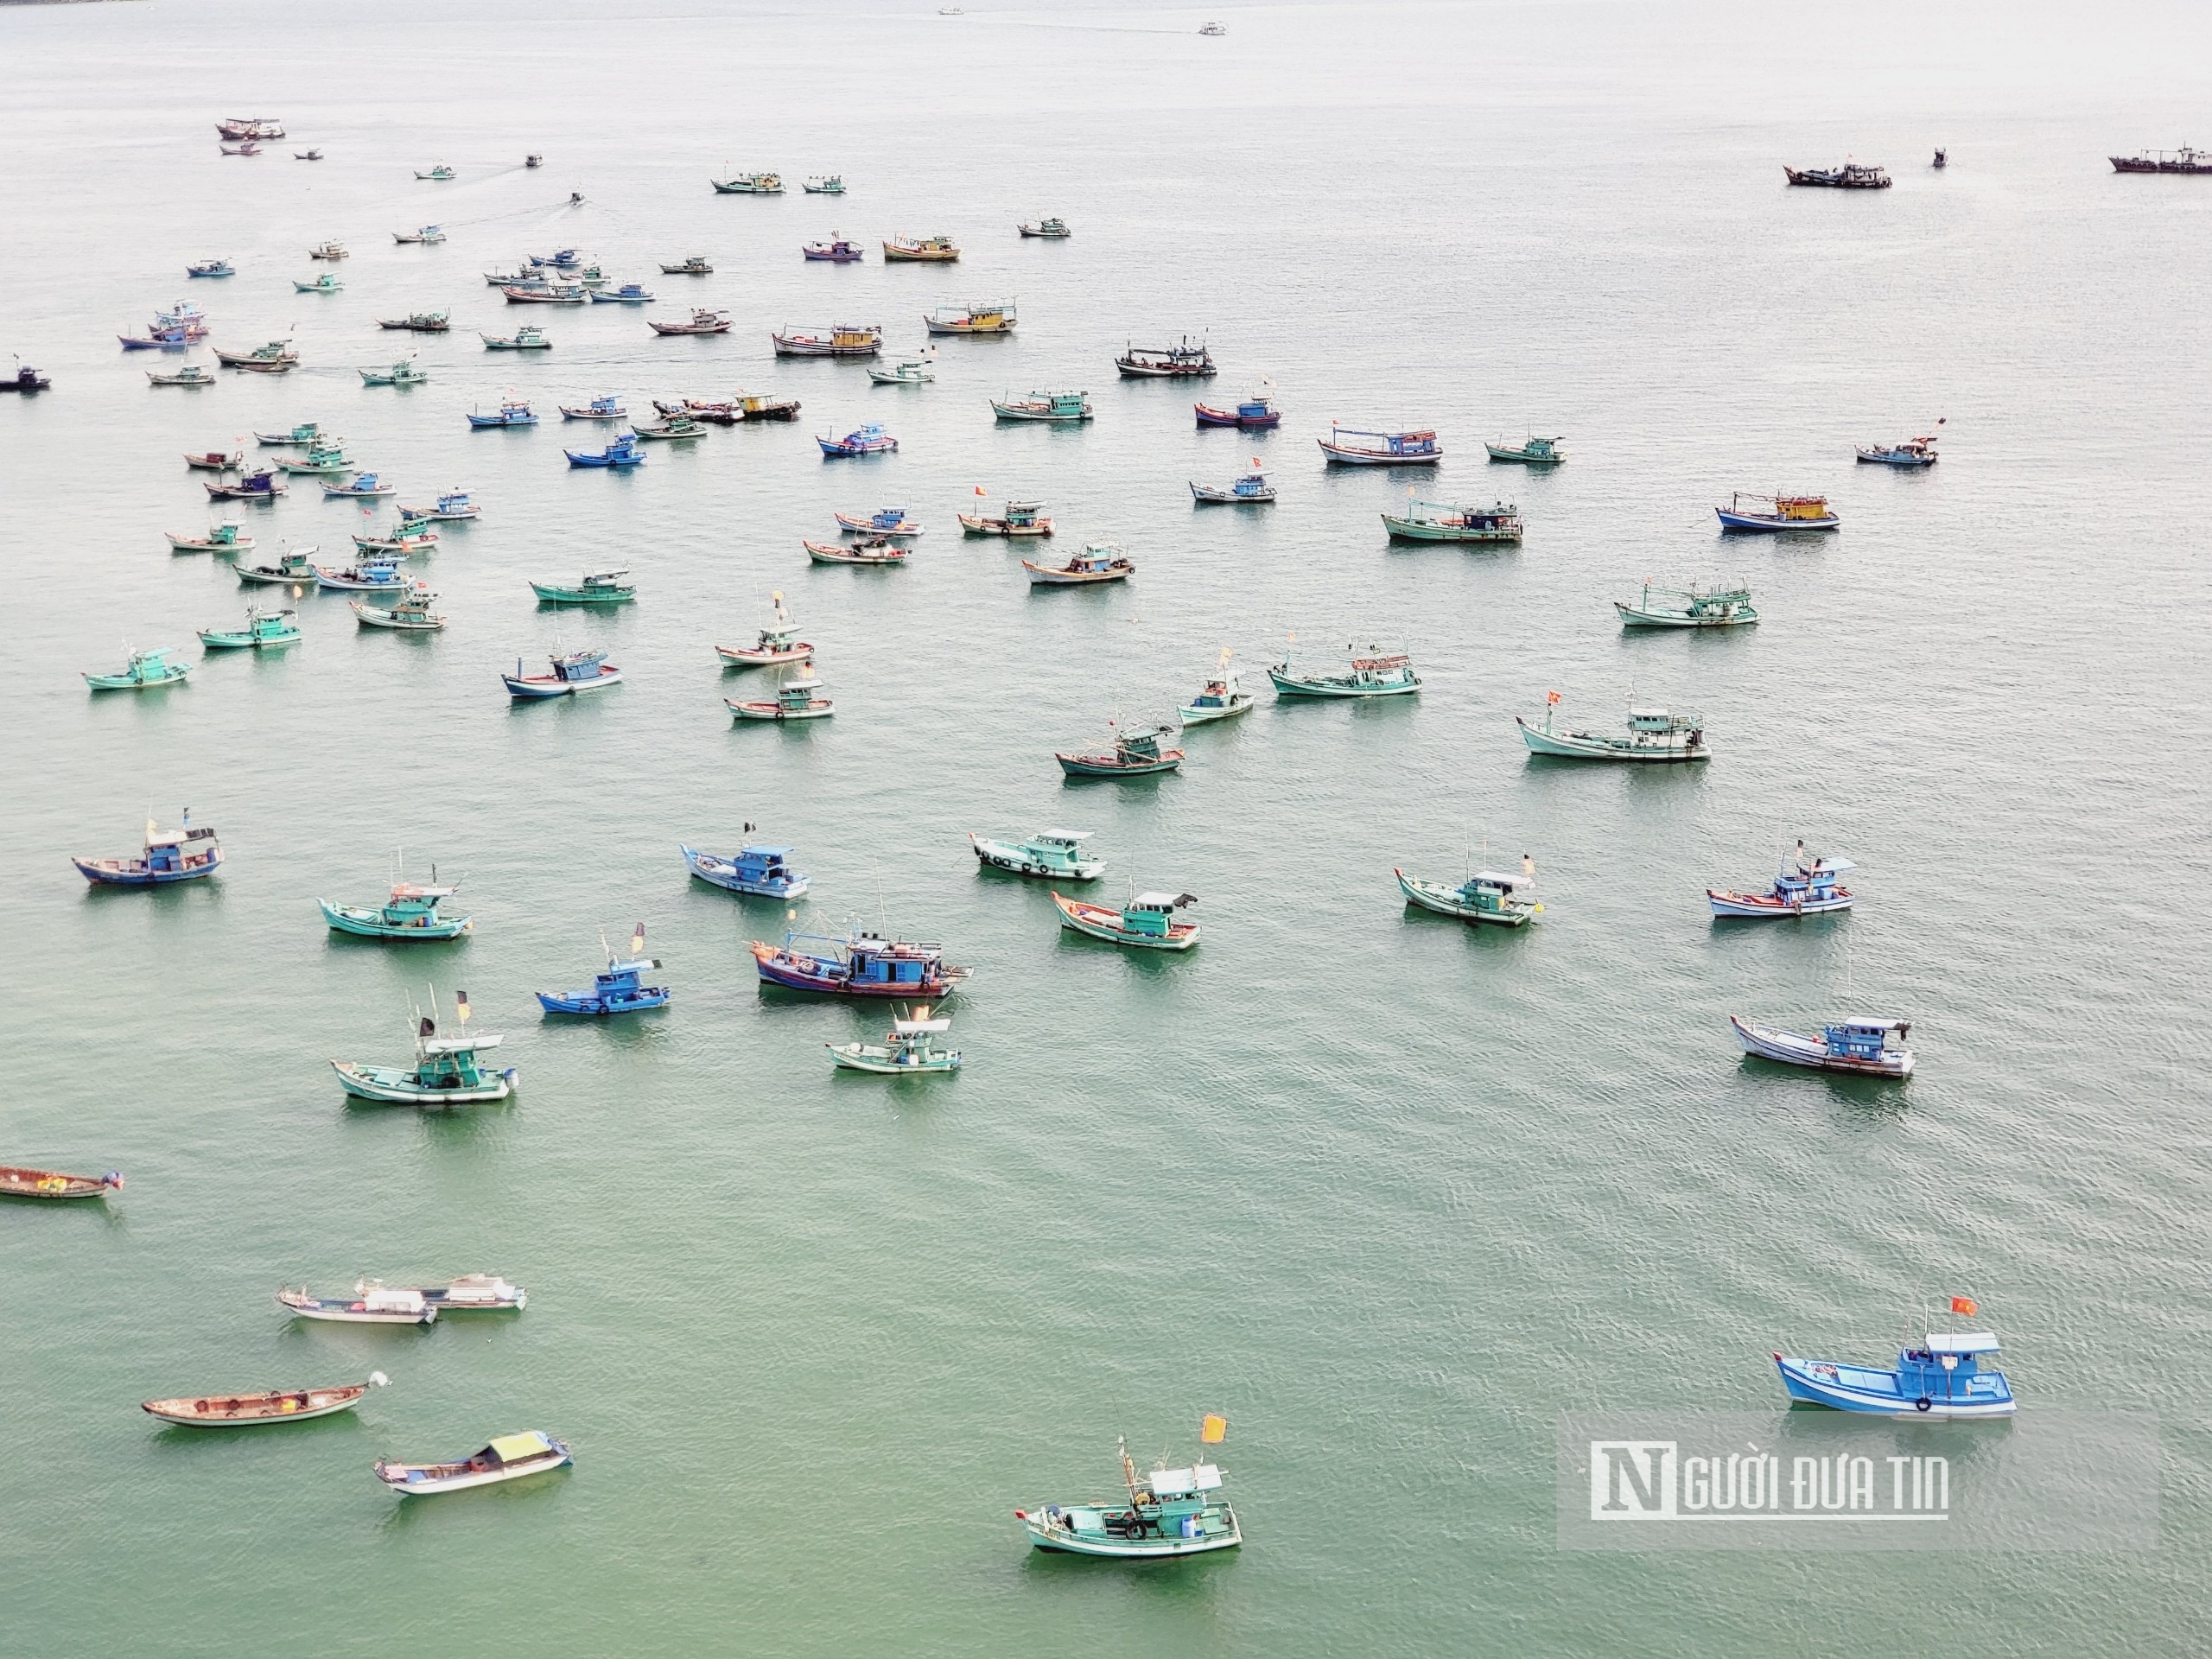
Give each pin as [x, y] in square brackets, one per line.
[680, 427]
[884, 521]
[747, 406]
[1135, 754]
[623, 452]
[750, 184]
[696, 265]
[779, 646]
[185, 854]
[1533, 451]
[263, 629]
[447, 1072]
[835, 252]
[907, 1049]
[528, 338]
[1805, 886]
[1098, 562]
[1692, 608]
[1655, 735]
[1380, 448]
[440, 173]
[164, 339]
[573, 671]
[1221, 697]
[1252, 490]
[1017, 521]
[762, 871]
[269, 1406]
[368, 1304]
[1790, 513]
[333, 248]
[249, 148]
[307, 435]
[559, 259]
[511, 1457]
[858, 964]
[1181, 361]
[1055, 854]
[2184, 160]
[1873, 1048]
[1911, 455]
[907, 371]
[368, 577]
[703, 321]
[25, 379]
[420, 322]
[260, 485]
[321, 461]
[545, 294]
[453, 506]
[1166, 1513]
[622, 988]
[924, 249]
[402, 373]
[409, 613]
[52, 1185]
[1253, 414]
[324, 283]
[215, 460]
[594, 587]
[220, 539]
[363, 486]
[1851, 176]
[867, 439]
[1062, 408]
[1434, 521]
[1375, 675]
[294, 569]
[309, 155]
[1485, 896]
[628, 294]
[1214, 31]
[798, 698]
[1939, 1376]
[250, 126]
[1147, 923]
[410, 914]
[825, 184]
[608, 408]
[406, 540]
[992, 317]
[428, 236]
[474, 1292]
[869, 550]
[510, 413]
[841, 340]
[1051, 230]
[143, 670]
[274, 357]
[191, 375]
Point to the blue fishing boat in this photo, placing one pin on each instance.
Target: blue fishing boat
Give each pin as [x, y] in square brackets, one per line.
[181, 854]
[624, 452]
[1252, 490]
[628, 293]
[368, 577]
[763, 872]
[364, 486]
[573, 671]
[869, 439]
[860, 964]
[511, 414]
[1873, 1048]
[141, 670]
[621, 989]
[608, 408]
[884, 521]
[454, 507]
[411, 913]
[1381, 448]
[1253, 414]
[1806, 887]
[1939, 1374]
[211, 268]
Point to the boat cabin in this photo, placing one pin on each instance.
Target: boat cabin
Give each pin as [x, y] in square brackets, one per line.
[1489, 891]
[173, 852]
[766, 864]
[876, 961]
[1947, 1364]
[1647, 723]
[1869, 1039]
[445, 1062]
[1154, 913]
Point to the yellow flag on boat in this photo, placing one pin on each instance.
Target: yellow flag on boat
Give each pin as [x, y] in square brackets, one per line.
[1213, 1429]
[460, 1007]
[1528, 867]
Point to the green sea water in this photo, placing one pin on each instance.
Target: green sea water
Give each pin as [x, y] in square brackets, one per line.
[1392, 1194]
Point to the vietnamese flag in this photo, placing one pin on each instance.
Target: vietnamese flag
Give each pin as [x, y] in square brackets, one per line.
[1964, 1305]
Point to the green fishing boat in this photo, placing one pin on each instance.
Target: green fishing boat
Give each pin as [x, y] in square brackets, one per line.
[446, 1072]
[403, 373]
[327, 459]
[1148, 922]
[1374, 674]
[1693, 607]
[324, 283]
[295, 567]
[1434, 521]
[1047, 853]
[412, 913]
[906, 1050]
[1166, 1513]
[262, 629]
[594, 587]
[1063, 407]
[144, 670]
[1485, 896]
[1535, 452]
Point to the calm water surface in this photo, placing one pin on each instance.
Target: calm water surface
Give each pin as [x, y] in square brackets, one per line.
[1391, 1194]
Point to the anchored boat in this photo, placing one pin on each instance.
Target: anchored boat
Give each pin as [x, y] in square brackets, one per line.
[867, 439]
[1375, 675]
[511, 1457]
[294, 569]
[1098, 562]
[370, 576]
[410, 613]
[1017, 521]
[1790, 513]
[696, 265]
[593, 587]
[215, 460]
[428, 236]
[363, 486]
[262, 629]
[703, 321]
[51, 1184]
[984, 317]
[528, 338]
[1805, 886]
[906, 1050]
[608, 408]
[1166, 1513]
[1653, 734]
[1433, 521]
[257, 485]
[884, 521]
[860, 964]
[410, 914]
[1873, 1048]
[1056, 853]
[779, 646]
[1148, 922]
[1223, 698]
[750, 184]
[907, 371]
[324, 283]
[1940, 1374]
[454, 506]
[1533, 451]
[1485, 896]
[402, 373]
[440, 172]
[1252, 490]
[1135, 754]
[925, 250]
[270, 1406]
[673, 429]
[761, 872]
[1255, 414]
[1061, 408]
[368, 1304]
[798, 698]
[869, 550]
[446, 1072]
[841, 340]
[190, 375]
[211, 268]
[181, 854]
[510, 413]
[1052, 230]
[825, 184]
[225, 537]
[1851, 176]
[143, 670]
[333, 248]
[1380, 448]
[1182, 361]
[621, 989]
[307, 435]
[624, 452]
[1911, 455]
[1693, 607]
[572, 671]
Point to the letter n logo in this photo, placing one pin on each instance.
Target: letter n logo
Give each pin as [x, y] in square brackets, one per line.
[1631, 1480]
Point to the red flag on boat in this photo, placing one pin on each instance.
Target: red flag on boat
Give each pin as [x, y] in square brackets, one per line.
[1551, 697]
[1966, 1306]
[980, 490]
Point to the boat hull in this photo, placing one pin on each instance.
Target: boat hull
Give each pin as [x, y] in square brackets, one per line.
[1632, 618]
[1767, 521]
[1212, 497]
[53, 1185]
[1856, 1389]
[1060, 1541]
[1287, 686]
[1765, 907]
[1084, 766]
[395, 1474]
[254, 1411]
[885, 1063]
[590, 1002]
[1194, 714]
[534, 688]
[1787, 1048]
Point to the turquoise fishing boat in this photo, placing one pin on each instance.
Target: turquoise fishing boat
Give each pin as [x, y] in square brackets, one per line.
[1135, 754]
[1689, 607]
[1433, 521]
[1061, 407]
[1534, 452]
[1053, 853]
[447, 1072]
[909, 1048]
[1485, 896]
[295, 568]
[1374, 674]
[1167, 1513]
[409, 613]
[402, 373]
[1654, 734]
[593, 587]
[306, 435]
[325, 459]
[225, 537]
[263, 629]
[324, 283]
[1147, 923]
[1223, 698]
[528, 338]
[143, 670]
[410, 914]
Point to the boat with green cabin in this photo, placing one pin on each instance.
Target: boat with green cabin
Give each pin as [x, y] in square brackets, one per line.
[1168, 1512]
[1149, 921]
[410, 914]
[1691, 607]
[225, 537]
[262, 629]
[1435, 521]
[1536, 452]
[402, 373]
[447, 1071]
[593, 587]
[1485, 896]
[1061, 408]
[1653, 734]
[1375, 675]
[143, 670]
[1056, 853]
[1224, 696]
[907, 1049]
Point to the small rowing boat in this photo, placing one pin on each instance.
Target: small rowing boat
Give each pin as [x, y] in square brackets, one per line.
[16, 1182]
[270, 1406]
[511, 1457]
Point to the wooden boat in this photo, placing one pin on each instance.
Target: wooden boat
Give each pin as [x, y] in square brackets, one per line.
[1485, 896]
[622, 453]
[1147, 923]
[696, 265]
[1098, 562]
[1252, 490]
[368, 577]
[628, 294]
[866, 439]
[1135, 754]
[211, 268]
[250, 126]
[446, 1073]
[324, 283]
[1375, 675]
[184, 854]
[703, 321]
[409, 915]
[1223, 698]
[1873, 1048]
[835, 252]
[1169, 1512]
[573, 671]
[1433, 521]
[402, 373]
[1534, 452]
[681, 427]
[1851, 176]
[428, 236]
[333, 248]
[215, 460]
[307, 435]
[1055, 854]
[263, 629]
[884, 521]
[1061, 408]
[420, 322]
[1693, 607]
[1253, 414]
[440, 173]
[761, 872]
[798, 698]
[294, 568]
[274, 357]
[544, 294]
[1806, 887]
[510, 413]
[52, 1185]
[321, 461]
[858, 964]
[454, 506]
[907, 371]
[1181, 361]
[593, 587]
[528, 338]
[869, 549]
[1911, 455]
[925, 250]
[220, 539]
[260, 485]
[1380, 448]
[511, 1457]
[410, 613]
[190, 375]
[622, 988]
[994, 317]
[747, 406]
[608, 408]
[1051, 230]
[779, 646]
[309, 155]
[143, 670]
[270, 1406]
[363, 486]
[843, 340]
[1790, 513]
[750, 184]
[825, 184]
[906, 1050]
[1019, 521]
[1654, 734]
[368, 1304]
[406, 540]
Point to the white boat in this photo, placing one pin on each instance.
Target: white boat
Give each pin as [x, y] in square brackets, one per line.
[1653, 734]
[1873, 1048]
[511, 1457]
[1047, 853]
[369, 1305]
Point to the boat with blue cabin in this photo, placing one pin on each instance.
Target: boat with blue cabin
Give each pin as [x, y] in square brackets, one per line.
[858, 964]
[867, 439]
[1940, 1374]
[624, 452]
[621, 989]
[1873, 1048]
[510, 413]
[628, 294]
[141, 670]
[1252, 490]
[608, 408]
[454, 507]
[1167, 1513]
[211, 268]
[1052, 852]
[1253, 414]
[1689, 607]
[368, 577]
[1410, 449]
[1098, 562]
[884, 521]
[1805, 886]
[907, 1050]
[362, 486]
[1486, 896]
[1653, 734]
[1375, 675]
[184, 854]
[573, 671]
[1790, 513]
[410, 914]
[762, 871]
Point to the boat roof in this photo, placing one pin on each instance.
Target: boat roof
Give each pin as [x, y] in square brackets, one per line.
[768, 852]
[1962, 1342]
[1065, 837]
[916, 1027]
[1495, 878]
[1161, 900]
[1861, 1023]
[509, 1448]
[457, 1045]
